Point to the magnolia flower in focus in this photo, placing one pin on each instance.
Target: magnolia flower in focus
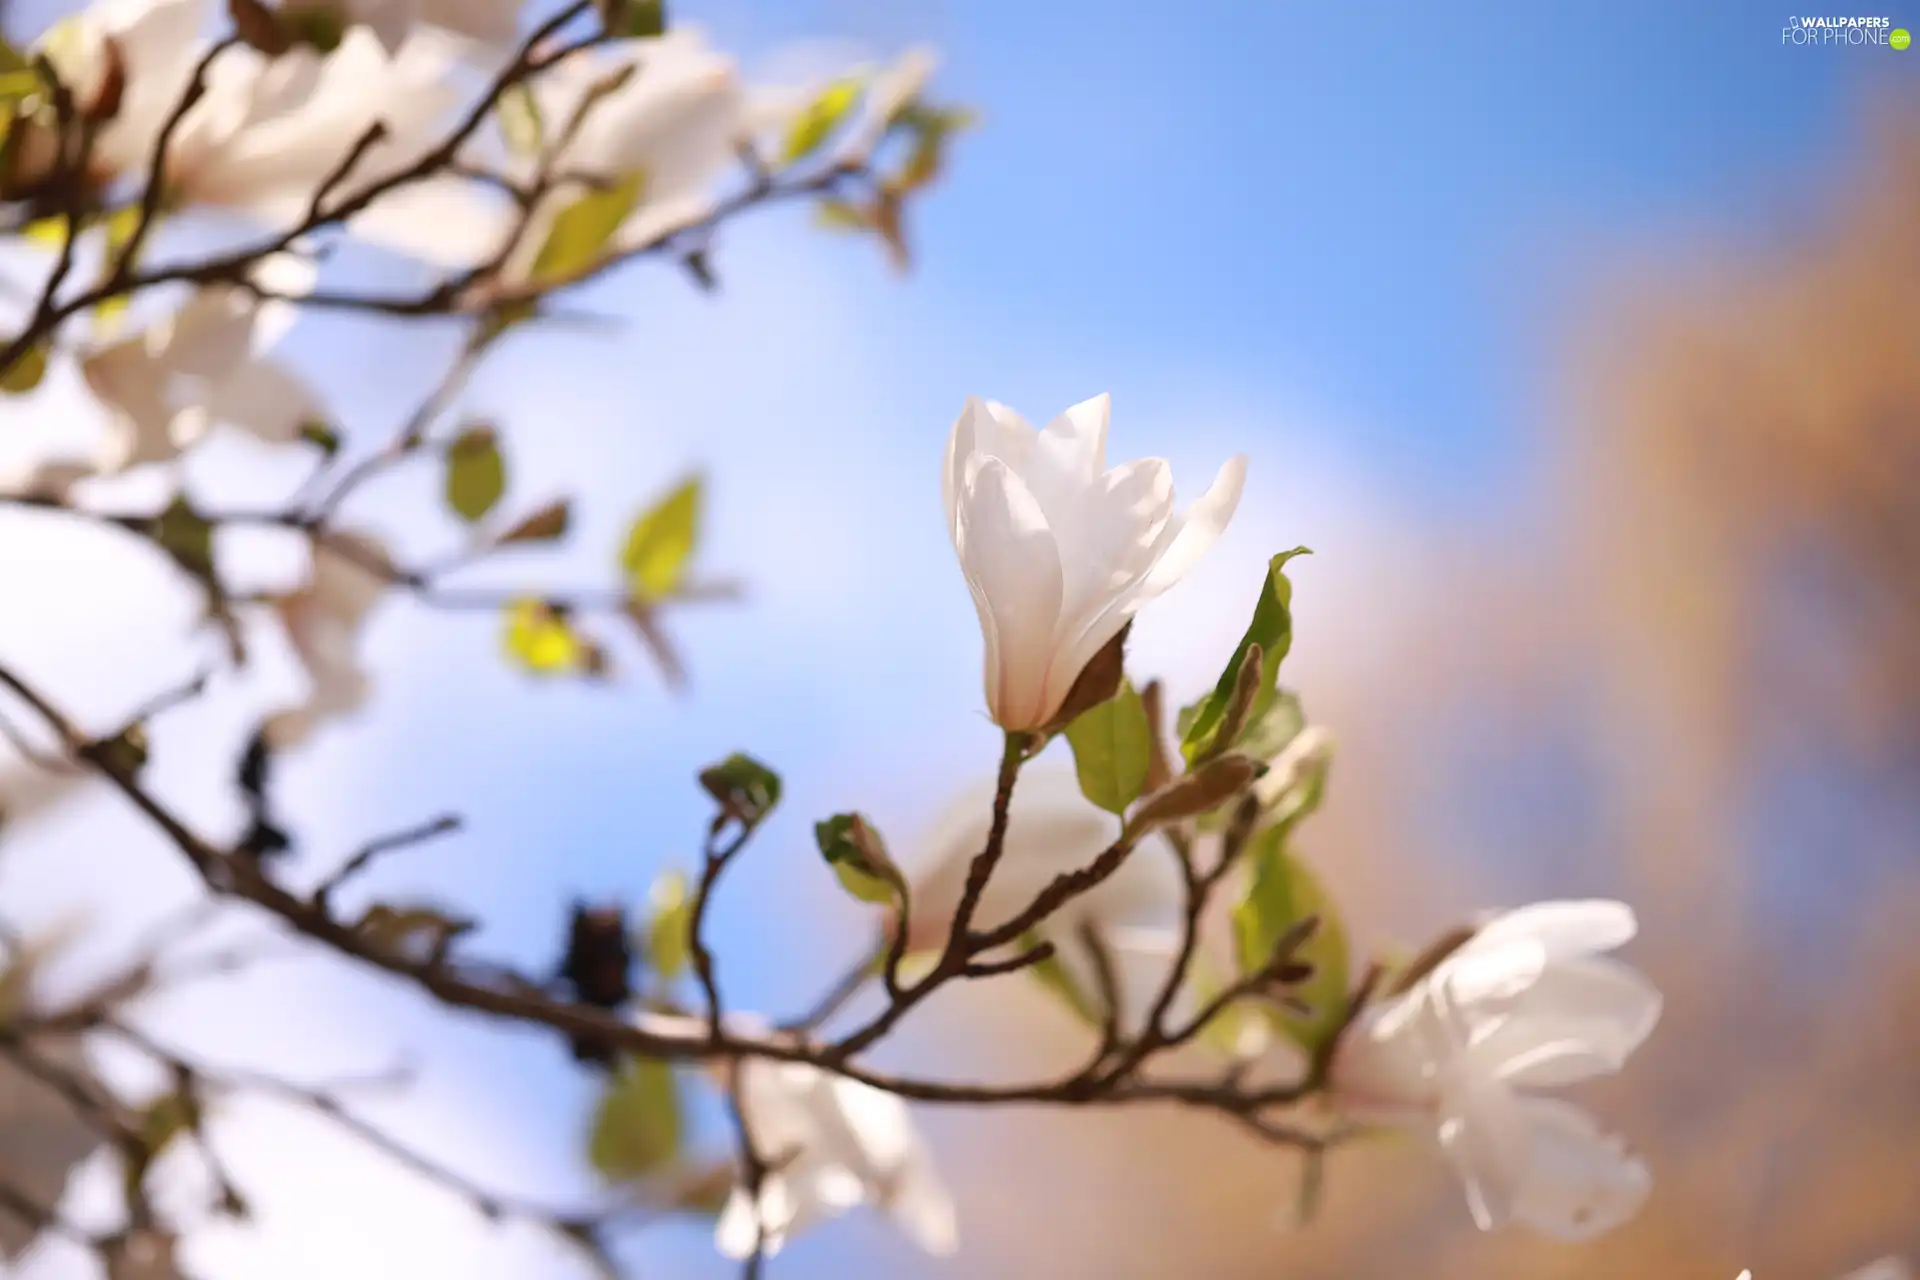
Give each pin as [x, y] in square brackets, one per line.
[671, 125]
[351, 572]
[1529, 1002]
[205, 363]
[268, 131]
[1051, 829]
[489, 24]
[1060, 552]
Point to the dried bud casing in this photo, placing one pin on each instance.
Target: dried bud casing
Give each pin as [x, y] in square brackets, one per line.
[1098, 681]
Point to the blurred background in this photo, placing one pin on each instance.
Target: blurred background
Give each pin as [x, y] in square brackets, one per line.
[1580, 342]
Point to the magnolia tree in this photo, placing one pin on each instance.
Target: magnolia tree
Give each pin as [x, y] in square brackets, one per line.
[1155, 888]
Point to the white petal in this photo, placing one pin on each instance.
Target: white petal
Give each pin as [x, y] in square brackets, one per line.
[1008, 552]
[1071, 453]
[1386, 1066]
[1564, 930]
[285, 277]
[265, 399]
[490, 22]
[1109, 540]
[923, 1208]
[207, 337]
[1201, 527]
[133, 386]
[879, 1124]
[1485, 1135]
[984, 428]
[1581, 1019]
[1579, 1183]
[442, 221]
[738, 1231]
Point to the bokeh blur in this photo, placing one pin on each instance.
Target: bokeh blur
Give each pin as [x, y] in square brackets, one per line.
[1582, 344]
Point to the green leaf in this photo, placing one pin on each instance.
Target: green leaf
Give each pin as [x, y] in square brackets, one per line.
[323, 28]
[835, 214]
[186, 536]
[819, 118]
[12, 59]
[859, 858]
[1225, 1032]
[160, 1122]
[580, 231]
[541, 639]
[25, 373]
[637, 1124]
[669, 936]
[1112, 749]
[745, 789]
[661, 542]
[50, 232]
[476, 475]
[520, 123]
[1283, 893]
[1272, 630]
[421, 934]
[321, 436]
[1058, 980]
[640, 19]
[1278, 723]
[125, 754]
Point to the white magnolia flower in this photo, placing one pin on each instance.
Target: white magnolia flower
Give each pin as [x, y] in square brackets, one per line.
[204, 364]
[674, 123]
[351, 573]
[1052, 829]
[1530, 1002]
[268, 131]
[489, 24]
[834, 1144]
[1060, 552]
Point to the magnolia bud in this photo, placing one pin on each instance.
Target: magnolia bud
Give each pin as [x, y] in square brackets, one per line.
[1205, 789]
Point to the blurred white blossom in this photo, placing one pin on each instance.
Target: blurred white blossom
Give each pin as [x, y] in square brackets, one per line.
[351, 572]
[268, 131]
[1060, 552]
[834, 1144]
[490, 24]
[205, 363]
[665, 113]
[1529, 1002]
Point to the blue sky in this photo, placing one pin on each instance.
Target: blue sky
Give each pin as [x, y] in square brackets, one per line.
[1336, 237]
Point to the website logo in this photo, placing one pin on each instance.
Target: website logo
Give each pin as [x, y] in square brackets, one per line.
[1834, 32]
